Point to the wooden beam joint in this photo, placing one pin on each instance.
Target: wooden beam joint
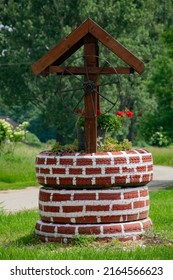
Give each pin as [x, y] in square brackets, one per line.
[59, 70]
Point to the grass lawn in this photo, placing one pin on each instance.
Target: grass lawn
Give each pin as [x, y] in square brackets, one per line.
[162, 156]
[17, 239]
[18, 170]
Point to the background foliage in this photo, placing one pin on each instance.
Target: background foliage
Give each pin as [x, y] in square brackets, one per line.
[30, 28]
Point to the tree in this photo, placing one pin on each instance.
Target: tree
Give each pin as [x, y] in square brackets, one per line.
[31, 28]
[26, 36]
[160, 87]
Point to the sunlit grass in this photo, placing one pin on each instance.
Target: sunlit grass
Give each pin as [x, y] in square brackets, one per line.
[162, 156]
[18, 169]
[161, 212]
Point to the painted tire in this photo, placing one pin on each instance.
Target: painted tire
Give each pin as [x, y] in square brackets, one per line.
[93, 206]
[100, 170]
[51, 232]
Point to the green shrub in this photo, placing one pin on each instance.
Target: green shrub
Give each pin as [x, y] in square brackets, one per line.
[51, 142]
[32, 140]
[9, 136]
[160, 139]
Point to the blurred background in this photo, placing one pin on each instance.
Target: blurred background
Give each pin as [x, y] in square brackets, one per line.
[28, 29]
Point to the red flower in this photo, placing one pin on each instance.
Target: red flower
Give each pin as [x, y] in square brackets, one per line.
[129, 114]
[98, 113]
[120, 113]
[79, 112]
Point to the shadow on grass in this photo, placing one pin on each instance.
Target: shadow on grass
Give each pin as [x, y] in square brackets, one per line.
[26, 240]
[149, 239]
[32, 241]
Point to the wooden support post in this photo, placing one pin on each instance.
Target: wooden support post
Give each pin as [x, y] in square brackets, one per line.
[91, 60]
[98, 83]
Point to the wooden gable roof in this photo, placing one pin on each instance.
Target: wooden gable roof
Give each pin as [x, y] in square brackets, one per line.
[75, 40]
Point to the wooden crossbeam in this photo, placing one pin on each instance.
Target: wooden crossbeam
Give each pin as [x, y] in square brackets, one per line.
[113, 45]
[76, 39]
[60, 49]
[59, 70]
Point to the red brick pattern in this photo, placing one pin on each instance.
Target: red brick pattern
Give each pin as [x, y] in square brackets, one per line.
[102, 195]
[131, 168]
[93, 206]
[55, 232]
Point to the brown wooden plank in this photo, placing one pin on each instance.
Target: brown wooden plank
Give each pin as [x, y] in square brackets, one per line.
[70, 52]
[59, 70]
[98, 81]
[115, 47]
[75, 40]
[60, 49]
[90, 100]
[45, 72]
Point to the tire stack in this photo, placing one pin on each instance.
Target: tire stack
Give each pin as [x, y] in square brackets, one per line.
[104, 195]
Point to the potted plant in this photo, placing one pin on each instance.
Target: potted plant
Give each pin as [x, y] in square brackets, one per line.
[107, 122]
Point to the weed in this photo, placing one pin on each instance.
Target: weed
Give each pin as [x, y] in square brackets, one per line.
[83, 240]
